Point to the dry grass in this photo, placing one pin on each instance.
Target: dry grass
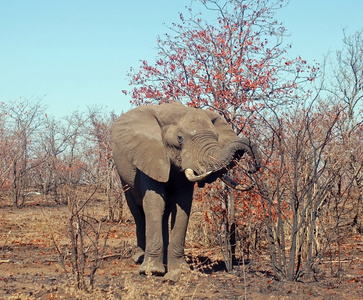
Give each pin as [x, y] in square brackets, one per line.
[31, 269]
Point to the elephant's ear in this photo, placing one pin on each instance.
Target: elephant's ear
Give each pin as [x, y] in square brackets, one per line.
[225, 132]
[137, 135]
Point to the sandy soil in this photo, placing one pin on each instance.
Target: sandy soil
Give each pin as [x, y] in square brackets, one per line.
[30, 268]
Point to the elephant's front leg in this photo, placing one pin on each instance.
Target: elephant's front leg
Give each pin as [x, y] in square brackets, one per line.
[154, 206]
[180, 218]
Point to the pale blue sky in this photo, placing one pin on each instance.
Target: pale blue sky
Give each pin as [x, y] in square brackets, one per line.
[77, 52]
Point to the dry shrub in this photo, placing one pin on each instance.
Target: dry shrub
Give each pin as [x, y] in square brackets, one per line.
[87, 244]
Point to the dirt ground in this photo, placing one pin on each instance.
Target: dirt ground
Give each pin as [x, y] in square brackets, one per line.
[30, 268]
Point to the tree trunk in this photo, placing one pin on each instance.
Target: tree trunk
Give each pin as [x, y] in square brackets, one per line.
[232, 221]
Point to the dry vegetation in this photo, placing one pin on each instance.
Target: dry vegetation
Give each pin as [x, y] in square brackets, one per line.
[65, 231]
[31, 267]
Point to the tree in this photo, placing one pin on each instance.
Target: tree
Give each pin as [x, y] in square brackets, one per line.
[53, 143]
[345, 88]
[104, 170]
[6, 145]
[25, 120]
[235, 63]
[303, 167]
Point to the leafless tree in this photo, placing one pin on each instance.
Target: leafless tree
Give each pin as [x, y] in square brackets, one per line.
[103, 170]
[302, 168]
[25, 120]
[346, 89]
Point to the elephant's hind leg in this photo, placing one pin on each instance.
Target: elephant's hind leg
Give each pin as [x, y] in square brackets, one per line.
[139, 217]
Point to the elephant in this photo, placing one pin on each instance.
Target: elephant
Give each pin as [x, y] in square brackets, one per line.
[160, 153]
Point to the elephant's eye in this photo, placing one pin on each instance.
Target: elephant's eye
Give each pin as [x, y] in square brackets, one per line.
[180, 139]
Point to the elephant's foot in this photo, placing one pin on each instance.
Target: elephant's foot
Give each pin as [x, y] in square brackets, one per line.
[176, 267]
[138, 257]
[174, 274]
[152, 266]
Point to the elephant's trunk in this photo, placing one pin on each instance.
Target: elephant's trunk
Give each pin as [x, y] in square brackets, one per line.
[225, 158]
[218, 160]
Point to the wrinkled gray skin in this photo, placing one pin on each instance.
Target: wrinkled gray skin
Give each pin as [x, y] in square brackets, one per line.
[152, 148]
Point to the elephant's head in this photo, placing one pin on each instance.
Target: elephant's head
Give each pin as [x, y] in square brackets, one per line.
[195, 141]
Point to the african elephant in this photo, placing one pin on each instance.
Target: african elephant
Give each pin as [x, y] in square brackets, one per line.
[160, 152]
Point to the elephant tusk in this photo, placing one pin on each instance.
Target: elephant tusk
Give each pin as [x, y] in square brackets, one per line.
[189, 174]
[235, 185]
